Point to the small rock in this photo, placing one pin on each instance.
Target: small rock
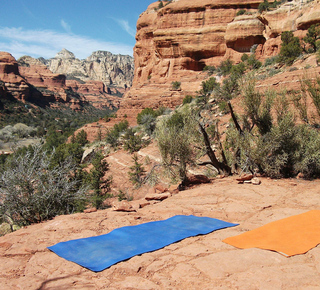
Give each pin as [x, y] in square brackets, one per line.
[300, 175]
[123, 205]
[245, 178]
[159, 188]
[143, 204]
[89, 210]
[174, 189]
[87, 155]
[157, 196]
[197, 179]
[255, 181]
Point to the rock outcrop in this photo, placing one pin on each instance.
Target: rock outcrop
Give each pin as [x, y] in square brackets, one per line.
[11, 80]
[175, 42]
[103, 66]
[201, 262]
[30, 80]
[97, 94]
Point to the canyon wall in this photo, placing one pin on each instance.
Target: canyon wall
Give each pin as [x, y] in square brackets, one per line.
[32, 81]
[176, 42]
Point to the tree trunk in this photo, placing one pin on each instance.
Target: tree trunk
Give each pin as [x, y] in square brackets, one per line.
[220, 166]
[234, 118]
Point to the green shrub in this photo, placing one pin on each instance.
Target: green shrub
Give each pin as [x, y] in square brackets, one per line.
[54, 138]
[244, 57]
[80, 138]
[308, 155]
[276, 150]
[318, 56]
[65, 151]
[210, 69]
[230, 88]
[271, 60]
[146, 111]
[97, 182]
[187, 99]
[208, 86]
[137, 172]
[225, 67]
[112, 138]
[121, 126]
[113, 135]
[238, 70]
[175, 135]
[273, 72]
[290, 48]
[264, 6]
[280, 147]
[223, 107]
[241, 12]
[132, 142]
[176, 85]
[253, 63]
[313, 36]
[312, 88]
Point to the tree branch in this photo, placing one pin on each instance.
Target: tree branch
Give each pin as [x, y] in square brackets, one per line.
[234, 118]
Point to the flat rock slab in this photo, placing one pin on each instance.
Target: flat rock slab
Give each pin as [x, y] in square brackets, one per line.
[201, 262]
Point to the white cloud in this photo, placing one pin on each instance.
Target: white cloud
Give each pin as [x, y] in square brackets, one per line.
[125, 25]
[47, 43]
[65, 26]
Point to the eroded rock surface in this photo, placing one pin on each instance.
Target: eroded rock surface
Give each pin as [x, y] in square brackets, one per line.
[202, 262]
[174, 44]
[102, 66]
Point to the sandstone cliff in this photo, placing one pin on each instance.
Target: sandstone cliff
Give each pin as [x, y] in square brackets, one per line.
[116, 70]
[174, 43]
[11, 80]
[30, 80]
[35, 84]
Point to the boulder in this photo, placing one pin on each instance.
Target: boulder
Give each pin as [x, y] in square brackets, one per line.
[123, 205]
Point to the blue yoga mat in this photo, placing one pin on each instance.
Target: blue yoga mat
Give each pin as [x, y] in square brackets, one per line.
[100, 252]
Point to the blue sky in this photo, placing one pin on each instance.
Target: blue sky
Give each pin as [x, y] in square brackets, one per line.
[43, 27]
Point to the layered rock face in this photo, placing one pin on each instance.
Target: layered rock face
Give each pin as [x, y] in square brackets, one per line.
[11, 80]
[35, 84]
[30, 80]
[111, 69]
[174, 43]
[96, 93]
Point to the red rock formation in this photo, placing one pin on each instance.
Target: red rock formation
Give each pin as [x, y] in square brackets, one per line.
[96, 93]
[32, 81]
[41, 76]
[10, 76]
[175, 42]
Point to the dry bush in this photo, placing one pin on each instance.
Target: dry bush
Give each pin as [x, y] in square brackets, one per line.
[31, 190]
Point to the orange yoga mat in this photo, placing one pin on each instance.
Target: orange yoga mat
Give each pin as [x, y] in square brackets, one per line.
[290, 236]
